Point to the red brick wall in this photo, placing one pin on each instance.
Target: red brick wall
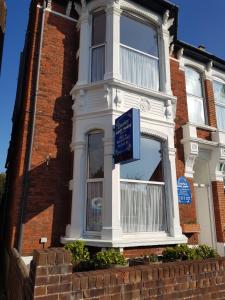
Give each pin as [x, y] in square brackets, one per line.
[187, 211]
[219, 209]
[52, 277]
[210, 103]
[48, 204]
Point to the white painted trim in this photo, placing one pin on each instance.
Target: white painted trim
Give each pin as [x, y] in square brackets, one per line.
[142, 181]
[57, 13]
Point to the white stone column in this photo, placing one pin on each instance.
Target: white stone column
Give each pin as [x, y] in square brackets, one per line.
[111, 229]
[171, 191]
[84, 51]
[75, 229]
[112, 41]
[164, 61]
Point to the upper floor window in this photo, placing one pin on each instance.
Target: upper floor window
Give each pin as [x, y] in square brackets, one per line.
[98, 46]
[139, 58]
[219, 94]
[195, 99]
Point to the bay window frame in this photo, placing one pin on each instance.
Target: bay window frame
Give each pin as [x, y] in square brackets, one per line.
[216, 79]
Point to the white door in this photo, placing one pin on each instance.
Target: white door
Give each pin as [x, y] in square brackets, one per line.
[204, 214]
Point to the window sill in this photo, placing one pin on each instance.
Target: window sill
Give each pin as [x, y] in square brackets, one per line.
[202, 126]
[124, 85]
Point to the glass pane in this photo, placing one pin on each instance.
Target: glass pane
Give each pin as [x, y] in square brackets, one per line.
[94, 206]
[149, 167]
[143, 207]
[139, 69]
[138, 36]
[220, 115]
[98, 64]
[98, 28]
[219, 92]
[95, 155]
[193, 82]
[196, 110]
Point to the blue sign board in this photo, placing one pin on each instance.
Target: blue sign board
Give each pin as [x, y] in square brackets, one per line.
[127, 137]
[184, 191]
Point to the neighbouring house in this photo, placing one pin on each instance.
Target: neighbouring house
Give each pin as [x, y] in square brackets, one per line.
[84, 64]
[2, 27]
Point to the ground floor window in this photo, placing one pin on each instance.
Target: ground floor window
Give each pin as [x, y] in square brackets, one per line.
[95, 177]
[143, 204]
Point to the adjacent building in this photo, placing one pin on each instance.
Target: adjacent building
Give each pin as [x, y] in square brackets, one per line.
[2, 26]
[84, 64]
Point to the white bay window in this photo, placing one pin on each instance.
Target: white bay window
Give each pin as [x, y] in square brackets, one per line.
[219, 94]
[139, 58]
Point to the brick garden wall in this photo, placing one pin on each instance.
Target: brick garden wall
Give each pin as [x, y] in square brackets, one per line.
[52, 279]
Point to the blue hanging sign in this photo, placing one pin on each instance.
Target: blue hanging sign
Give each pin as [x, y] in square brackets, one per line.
[127, 137]
[184, 191]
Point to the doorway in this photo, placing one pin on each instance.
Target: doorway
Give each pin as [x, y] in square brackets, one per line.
[204, 203]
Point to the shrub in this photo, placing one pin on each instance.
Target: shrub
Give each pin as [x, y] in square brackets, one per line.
[105, 259]
[80, 253]
[183, 252]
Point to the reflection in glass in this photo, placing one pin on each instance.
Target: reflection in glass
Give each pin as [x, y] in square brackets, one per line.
[219, 94]
[98, 28]
[149, 167]
[193, 82]
[95, 155]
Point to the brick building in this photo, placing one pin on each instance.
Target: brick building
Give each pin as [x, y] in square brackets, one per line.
[84, 64]
[2, 27]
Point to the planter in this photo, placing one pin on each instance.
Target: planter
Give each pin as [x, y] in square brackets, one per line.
[190, 228]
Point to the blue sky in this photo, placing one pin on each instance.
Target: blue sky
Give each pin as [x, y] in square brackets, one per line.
[200, 22]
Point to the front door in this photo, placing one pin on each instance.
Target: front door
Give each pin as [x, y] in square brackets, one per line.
[204, 203]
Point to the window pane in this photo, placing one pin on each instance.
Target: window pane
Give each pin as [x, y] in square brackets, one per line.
[98, 64]
[219, 92]
[94, 206]
[220, 114]
[95, 155]
[138, 36]
[98, 28]
[196, 110]
[139, 69]
[149, 167]
[193, 82]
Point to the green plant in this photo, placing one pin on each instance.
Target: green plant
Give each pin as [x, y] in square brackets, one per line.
[80, 253]
[105, 259]
[151, 258]
[183, 252]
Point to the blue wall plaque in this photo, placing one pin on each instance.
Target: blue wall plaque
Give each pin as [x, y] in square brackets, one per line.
[127, 137]
[184, 191]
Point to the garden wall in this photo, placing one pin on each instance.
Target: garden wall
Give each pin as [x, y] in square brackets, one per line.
[52, 279]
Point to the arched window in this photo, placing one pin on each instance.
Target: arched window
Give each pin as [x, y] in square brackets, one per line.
[139, 57]
[95, 176]
[143, 204]
[195, 99]
[219, 95]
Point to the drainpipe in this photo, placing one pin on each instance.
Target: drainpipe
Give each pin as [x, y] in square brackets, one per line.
[30, 139]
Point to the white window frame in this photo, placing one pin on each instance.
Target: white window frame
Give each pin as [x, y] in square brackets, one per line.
[146, 22]
[91, 180]
[218, 103]
[99, 10]
[202, 99]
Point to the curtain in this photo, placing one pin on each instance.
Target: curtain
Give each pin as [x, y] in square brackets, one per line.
[98, 63]
[94, 206]
[142, 207]
[196, 110]
[220, 113]
[219, 92]
[139, 69]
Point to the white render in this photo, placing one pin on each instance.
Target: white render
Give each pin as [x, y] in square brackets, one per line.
[97, 105]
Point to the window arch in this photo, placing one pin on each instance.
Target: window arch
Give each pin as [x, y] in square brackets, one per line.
[195, 96]
[95, 179]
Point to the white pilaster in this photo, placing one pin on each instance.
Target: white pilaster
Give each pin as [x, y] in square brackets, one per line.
[84, 52]
[75, 229]
[113, 41]
[111, 229]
